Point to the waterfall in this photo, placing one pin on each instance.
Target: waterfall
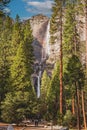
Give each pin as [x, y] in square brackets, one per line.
[48, 39]
[38, 85]
[40, 65]
[43, 58]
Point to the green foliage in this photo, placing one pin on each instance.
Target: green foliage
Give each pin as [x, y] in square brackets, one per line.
[17, 98]
[72, 48]
[70, 34]
[74, 75]
[17, 106]
[67, 118]
[28, 39]
[72, 44]
[4, 57]
[17, 36]
[75, 70]
[59, 118]
[16, 62]
[55, 22]
[53, 94]
[45, 85]
[20, 70]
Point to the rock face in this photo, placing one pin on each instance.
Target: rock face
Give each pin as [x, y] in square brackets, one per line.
[39, 27]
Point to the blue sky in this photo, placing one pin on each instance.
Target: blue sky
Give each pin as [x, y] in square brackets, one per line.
[28, 8]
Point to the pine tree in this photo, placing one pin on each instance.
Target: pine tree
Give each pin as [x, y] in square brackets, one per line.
[21, 68]
[55, 22]
[19, 100]
[53, 95]
[17, 106]
[71, 39]
[76, 78]
[4, 57]
[70, 33]
[44, 85]
[28, 38]
[16, 37]
[21, 71]
[56, 37]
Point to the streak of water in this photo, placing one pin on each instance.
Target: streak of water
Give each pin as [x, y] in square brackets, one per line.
[38, 87]
[48, 39]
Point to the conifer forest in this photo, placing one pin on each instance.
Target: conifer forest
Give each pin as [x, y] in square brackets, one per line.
[52, 87]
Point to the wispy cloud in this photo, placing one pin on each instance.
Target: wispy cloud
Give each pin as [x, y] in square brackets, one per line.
[25, 18]
[38, 7]
[7, 10]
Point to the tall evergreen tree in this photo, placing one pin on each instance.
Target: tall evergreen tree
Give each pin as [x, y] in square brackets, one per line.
[70, 34]
[21, 69]
[22, 91]
[55, 22]
[71, 37]
[28, 38]
[53, 94]
[4, 57]
[45, 83]
[76, 78]
[56, 37]
[17, 106]
[16, 37]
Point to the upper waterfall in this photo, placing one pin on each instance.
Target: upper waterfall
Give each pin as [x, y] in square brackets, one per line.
[48, 39]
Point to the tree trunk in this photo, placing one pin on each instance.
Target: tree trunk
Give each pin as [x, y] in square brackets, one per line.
[73, 106]
[61, 64]
[83, 110]
[86, 30]
[78, 107]
[84, 117]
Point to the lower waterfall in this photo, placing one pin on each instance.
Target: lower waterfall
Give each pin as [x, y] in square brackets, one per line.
[38, 85]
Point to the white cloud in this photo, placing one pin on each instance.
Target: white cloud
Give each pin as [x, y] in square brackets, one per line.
[25, 18]
[44, 5]
[38, 7]
[7, 10]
